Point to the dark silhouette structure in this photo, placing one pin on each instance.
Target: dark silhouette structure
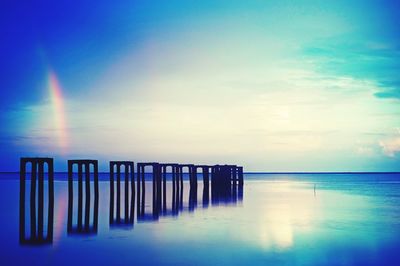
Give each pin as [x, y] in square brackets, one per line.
[37, 230]
[191, 172]
[226, 187]
[141, 187]
[205, 169]
[129, 198]
[240, 183]
[83, 226]
[226, 183]
[240, 175]
[192, 198]
[175, 186]
[192, 183]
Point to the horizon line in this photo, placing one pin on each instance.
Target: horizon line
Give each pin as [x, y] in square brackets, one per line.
[257, 172]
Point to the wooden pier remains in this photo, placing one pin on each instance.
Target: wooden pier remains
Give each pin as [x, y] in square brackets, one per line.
[116, 168]
[141, 187]
[83, 223]
[175, 174]
[224, 183]
[37, 177]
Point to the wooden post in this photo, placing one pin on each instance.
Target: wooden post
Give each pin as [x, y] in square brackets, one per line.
[50, 212]
[83, 226]
[111, 218]
[240, 175]
[129, 181]
[126, 197]
[36, 222]
[22, 181]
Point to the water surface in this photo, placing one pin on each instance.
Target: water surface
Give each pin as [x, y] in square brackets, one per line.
[283, 219]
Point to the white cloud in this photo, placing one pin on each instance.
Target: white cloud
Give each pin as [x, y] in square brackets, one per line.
[390, 146]
[365, 151]
[251, 101]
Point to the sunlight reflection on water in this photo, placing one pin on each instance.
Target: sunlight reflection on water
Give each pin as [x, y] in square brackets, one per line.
[280, 221]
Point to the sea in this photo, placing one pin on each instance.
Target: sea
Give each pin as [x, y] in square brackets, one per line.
[275, 219]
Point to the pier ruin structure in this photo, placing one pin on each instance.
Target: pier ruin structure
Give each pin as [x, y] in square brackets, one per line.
[116, 170]
[83, 225]
[38, 233]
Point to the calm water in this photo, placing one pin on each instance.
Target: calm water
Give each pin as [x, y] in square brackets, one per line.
[283, 219]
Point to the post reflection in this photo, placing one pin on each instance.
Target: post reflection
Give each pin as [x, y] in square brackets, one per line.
[222, 184]
[226, 184]
[156, 192]
[83, 224]
[39, 234]
[128, 194]
[226, 188]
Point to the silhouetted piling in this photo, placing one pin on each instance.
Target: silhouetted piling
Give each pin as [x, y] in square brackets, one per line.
[156, 177]
[83, 226]
[226, 183]
[192, 198]
[129, 198]
[205, 170]
[37, 236]
[193, 176]
[192, 180]
[190, 168]
[234, 183]
[240, 176]
[174, 178]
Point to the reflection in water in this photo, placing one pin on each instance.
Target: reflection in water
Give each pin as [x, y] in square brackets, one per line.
[281, 214]
[224, 177]
[83, 225]
[38, 235]
[60, 214]
[141, 190]
[176, 200]
[226, 184]
[174, 175]
[276, 226]
[192, 198]
[225, 189]
[280, 223]
[129, 201]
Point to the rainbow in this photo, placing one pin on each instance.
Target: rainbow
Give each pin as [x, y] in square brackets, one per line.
[59, 111]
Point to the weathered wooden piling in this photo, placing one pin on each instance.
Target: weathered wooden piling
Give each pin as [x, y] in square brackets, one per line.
[129, 198]
[205, 169]
[240, 175]
[174, 176]
[226, 182]
[37, 176]
[191, 174]
[237, 183]
[192, 198]
[141, 184]
[234, 183]
[83, 227]
[192, 180]
[193, 177]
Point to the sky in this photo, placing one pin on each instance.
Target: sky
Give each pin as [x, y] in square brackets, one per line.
[270, 85]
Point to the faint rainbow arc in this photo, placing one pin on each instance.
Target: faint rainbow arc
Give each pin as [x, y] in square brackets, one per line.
[57, 100]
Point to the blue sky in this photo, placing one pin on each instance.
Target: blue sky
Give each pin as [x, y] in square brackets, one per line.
[272, 85]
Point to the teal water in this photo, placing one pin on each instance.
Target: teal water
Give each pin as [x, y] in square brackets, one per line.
[283, 219]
